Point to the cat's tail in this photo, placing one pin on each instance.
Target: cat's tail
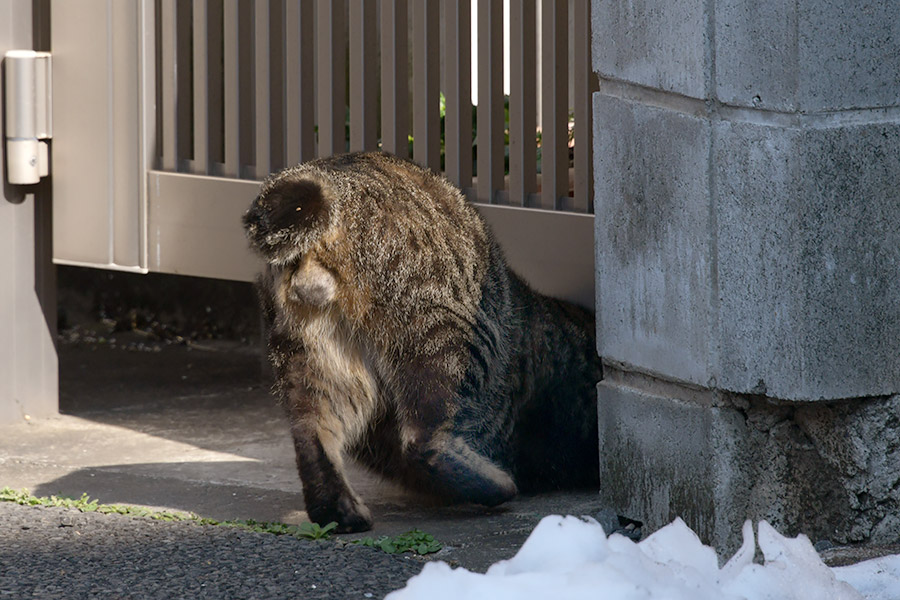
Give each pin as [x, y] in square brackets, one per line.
[292, 210]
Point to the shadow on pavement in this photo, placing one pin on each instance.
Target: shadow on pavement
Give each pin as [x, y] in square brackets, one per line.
[196, 429]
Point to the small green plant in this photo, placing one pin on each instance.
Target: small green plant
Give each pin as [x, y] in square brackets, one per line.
[308, 531]
[415, 541]
[312, 531]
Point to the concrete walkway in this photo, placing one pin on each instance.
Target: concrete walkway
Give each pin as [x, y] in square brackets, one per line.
[193, 428]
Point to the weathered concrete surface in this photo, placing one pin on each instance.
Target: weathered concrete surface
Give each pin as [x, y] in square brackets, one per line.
[747, 186]
[653, 238]
[197, 430]
[808, 55]
[752, 257]
[825, 470]
[807, 236]
[660, 45]
[805, 56]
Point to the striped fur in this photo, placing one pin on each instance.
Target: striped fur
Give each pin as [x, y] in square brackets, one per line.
[400, 338]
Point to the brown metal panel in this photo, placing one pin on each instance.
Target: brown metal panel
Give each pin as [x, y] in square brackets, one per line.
[363, 76]
[522, 109]
[98, 60]
[125, 134]
[195, 229]
[194, 225]
[426, 83]
[331, 85]
[169, 85]
[394, 77]
[490, 100]
[231, 89]
[554, 121]
[262, 85]
[299, 82]
[200, 163]
[551, 250]
[277, 83]
[458, 92]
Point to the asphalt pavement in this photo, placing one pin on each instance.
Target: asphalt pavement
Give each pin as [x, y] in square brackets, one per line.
[192, 427]
[170, 424]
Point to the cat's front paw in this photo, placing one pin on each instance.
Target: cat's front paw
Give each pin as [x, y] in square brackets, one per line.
[351, 515]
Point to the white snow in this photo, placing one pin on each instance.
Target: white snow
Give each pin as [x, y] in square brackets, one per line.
[572, 559]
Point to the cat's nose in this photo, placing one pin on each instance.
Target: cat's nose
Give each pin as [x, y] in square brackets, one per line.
[257, 216]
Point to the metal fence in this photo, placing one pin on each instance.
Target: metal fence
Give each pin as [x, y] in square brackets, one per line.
[185, 105]
[246, 87]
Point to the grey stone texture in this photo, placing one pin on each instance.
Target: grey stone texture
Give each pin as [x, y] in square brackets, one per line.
[756, 258]
[652, 238]
[803, 56]
[747, 193]
[808, 247]
[827, 470]
[654, 44]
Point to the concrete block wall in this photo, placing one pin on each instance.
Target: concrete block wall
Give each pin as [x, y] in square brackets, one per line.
[747, 186]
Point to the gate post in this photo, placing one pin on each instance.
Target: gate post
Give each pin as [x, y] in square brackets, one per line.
[747, 185]
[28, 363]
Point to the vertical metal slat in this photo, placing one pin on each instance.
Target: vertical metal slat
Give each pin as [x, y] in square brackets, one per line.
[231, 166]
[584, 76]
[332, 87]
[363, 90]
[168, 84]
[201, 88]
[426, 84]
[554, 134]
[300, 86]
[458, 95]
[394, 77]
[490, 99]
[522, 124]
[263, 88]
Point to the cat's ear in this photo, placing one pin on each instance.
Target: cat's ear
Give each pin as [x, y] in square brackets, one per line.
[288, 204]
[287, 217]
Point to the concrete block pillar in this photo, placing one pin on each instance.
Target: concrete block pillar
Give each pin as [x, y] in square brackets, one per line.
[747, 191]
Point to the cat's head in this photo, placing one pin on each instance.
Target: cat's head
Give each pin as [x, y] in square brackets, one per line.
[293, 209]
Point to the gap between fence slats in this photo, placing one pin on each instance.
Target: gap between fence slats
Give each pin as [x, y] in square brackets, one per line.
[184, 92]
[458, 92]
[216, 84]
[490, 117]
[584, 88]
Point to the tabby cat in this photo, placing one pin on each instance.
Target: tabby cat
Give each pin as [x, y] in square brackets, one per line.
[399, 337]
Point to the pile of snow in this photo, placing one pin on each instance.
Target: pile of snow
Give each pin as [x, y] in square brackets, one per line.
[571, 558]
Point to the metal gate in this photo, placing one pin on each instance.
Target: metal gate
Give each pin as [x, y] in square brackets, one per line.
[168, 113]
